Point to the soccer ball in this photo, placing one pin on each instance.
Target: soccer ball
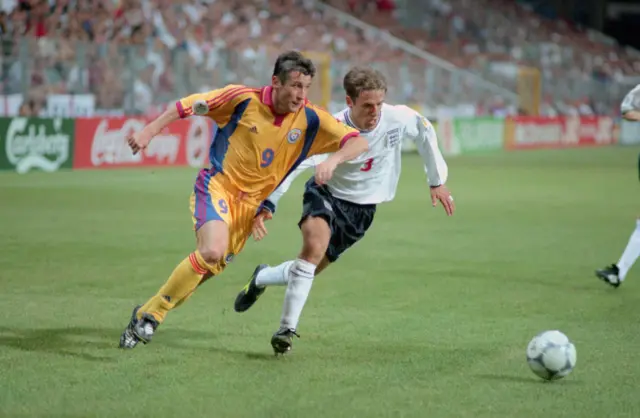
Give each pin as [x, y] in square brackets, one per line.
[551, 355]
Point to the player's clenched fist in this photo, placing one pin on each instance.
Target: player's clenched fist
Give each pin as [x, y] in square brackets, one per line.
[258, 230]
[324, 171]
[138, 141]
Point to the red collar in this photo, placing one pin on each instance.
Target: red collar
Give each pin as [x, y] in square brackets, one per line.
[265, 98]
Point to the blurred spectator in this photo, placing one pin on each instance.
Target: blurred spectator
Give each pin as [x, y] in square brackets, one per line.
[4, 26]
[30, 108]
[139, 54]
[488, 35]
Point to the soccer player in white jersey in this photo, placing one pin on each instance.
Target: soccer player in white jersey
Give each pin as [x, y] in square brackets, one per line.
[615, 273]
[336, 215]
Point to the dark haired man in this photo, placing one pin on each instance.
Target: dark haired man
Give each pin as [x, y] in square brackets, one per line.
[263, 135]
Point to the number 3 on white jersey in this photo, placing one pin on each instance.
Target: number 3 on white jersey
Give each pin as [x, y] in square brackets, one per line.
[366, 166]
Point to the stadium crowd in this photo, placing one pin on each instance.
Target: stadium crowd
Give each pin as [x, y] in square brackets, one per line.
[140, 53]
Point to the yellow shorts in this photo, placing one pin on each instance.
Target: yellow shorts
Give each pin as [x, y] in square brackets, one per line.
[211, 200]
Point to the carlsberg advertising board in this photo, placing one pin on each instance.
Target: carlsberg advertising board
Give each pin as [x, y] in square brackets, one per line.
[479, 134]
[28, 144]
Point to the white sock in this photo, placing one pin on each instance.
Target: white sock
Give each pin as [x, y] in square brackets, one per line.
[300, 280]
[631, 253]
[274, 276]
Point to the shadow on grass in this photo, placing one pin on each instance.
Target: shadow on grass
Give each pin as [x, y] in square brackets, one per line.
[86, 342]
[533, 380]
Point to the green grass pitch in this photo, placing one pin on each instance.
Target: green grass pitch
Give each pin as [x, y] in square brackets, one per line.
[428, 316]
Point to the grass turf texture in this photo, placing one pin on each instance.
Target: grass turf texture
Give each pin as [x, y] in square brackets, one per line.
[427, 316]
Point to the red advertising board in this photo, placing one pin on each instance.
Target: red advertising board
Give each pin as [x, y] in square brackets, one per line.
[101, 143]
[525, 132]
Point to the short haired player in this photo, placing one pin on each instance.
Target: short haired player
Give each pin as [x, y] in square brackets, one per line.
[336, 215]
[615, 274]
[263, 134]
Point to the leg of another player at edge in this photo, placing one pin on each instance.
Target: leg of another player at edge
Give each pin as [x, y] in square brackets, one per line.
[316, 235]
[631, 252]
[212, 241]
[616, 273]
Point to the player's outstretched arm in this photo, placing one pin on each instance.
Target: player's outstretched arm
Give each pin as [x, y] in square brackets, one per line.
[350, 150]
[216, 104]
[632, 115]
[140, 140]
[343, 142]
[421, 131]
[272, 201]
[268, 207]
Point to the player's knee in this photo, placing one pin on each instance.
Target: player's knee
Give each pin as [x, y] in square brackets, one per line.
[212, 239]
[211, 254]
[313, 251]
[315, 236]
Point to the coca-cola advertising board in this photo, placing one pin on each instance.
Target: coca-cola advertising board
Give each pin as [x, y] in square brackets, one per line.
[524, 132]
[101, 143]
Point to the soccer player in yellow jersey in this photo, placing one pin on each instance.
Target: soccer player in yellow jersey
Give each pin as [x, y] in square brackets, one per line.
[263, 135]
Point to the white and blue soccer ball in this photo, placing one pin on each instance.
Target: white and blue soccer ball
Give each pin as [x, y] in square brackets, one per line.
[551, 355]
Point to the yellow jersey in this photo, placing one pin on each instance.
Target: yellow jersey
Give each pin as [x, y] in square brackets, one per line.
[255, 148]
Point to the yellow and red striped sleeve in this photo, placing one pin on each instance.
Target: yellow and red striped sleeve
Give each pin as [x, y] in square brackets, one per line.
[332, 133]
[216, 104]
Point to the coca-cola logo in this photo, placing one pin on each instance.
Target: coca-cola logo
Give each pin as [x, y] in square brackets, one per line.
[109, 146]
[164, 148]
[198, 142]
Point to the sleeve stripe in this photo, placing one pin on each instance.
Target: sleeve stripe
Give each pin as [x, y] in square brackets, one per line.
[217, 103]
[218, 99]
[225, 97]
[181, 111]
[348, 137]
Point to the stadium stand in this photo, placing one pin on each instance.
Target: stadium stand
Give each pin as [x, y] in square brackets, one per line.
[135, 55]
[583, 71]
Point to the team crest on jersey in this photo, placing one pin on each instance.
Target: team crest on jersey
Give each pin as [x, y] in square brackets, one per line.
[200, 107]
[393, 138]
[294, 135]
[426, 123]
[229, 258]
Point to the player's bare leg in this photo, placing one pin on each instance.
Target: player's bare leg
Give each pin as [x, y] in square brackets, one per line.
[316, 235]
[615, 274]
[323, 265]
[212, 241]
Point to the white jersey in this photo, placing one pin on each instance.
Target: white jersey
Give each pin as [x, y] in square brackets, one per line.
[631, 101]
[373, 176]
